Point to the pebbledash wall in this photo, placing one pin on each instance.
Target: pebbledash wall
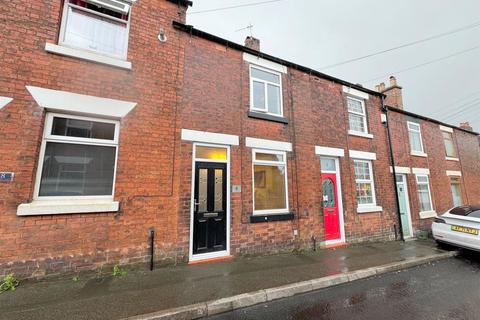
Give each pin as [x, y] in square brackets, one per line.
[168, 95]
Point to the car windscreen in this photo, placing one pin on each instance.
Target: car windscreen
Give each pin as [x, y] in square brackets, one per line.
[471, 211]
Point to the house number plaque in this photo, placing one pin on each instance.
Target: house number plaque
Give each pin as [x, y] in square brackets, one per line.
[6, 176]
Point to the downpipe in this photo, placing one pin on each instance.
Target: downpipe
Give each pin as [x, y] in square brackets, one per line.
[151, 232]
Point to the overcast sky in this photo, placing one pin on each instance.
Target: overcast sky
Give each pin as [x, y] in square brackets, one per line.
[318, 33]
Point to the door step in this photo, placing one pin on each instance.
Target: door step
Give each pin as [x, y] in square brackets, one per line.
[211, 260]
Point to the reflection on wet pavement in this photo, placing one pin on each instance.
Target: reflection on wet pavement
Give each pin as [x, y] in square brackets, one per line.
[448, 289]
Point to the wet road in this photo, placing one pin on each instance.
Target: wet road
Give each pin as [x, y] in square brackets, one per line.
[448, 289]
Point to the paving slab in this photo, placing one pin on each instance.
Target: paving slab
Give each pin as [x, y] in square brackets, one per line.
[238, 283]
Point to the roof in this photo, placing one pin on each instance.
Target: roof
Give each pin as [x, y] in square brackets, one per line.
[411, 114]
[182, 2]
[201, 34]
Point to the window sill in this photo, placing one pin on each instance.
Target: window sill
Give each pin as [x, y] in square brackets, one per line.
[89, 56]
[451, 159]
[44, 207]
[360, 134]
[427, 214]
[258, 218]
[266, 116]
[418, 154]
[369, 209]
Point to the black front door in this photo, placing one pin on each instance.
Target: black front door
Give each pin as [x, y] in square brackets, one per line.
[210, 208]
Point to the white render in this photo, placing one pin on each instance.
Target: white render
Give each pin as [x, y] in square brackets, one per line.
[209, 137]
[268, 144]
[74, 103]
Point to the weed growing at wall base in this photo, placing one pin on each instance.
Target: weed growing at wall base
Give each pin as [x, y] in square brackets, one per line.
[9, 283]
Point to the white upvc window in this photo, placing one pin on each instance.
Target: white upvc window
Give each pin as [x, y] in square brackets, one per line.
[450, 150]
[415, 138]
[78, 158]
[357, 116]
[266, 91]
[101, 26]
[365, 187]
[270, 183]
[424, 195]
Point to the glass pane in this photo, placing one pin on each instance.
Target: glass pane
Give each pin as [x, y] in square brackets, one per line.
[273, 99]
[218, 199]
[269, 157]
[362, 170]
[327, 164]
[211, 153]
[259, 95]
[328, 189]
[414, 127]
[424, 199]
[399, 178]
[355, 106]
[77, 170]
[83, 128]
[449, 146]
[269, 182]
[415, 142]
[90, 31]
[421, 179]
[202, 190]
[356, 122]
[364, 193]
[456, 194]
[266, 76]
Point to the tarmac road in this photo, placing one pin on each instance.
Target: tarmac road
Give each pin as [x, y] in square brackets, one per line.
[447, 289]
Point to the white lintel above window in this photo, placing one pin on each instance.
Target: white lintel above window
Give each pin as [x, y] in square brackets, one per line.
[250, 58]
[268, 144]
[74, 103]
[356, 93]
[4, 101]
[446, 129]
[454, 173]
[421, 171]
[209, 137]
[362, 155]
[401, 170]
[328, 151]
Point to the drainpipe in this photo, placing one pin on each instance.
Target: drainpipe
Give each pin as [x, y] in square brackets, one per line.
[392, 160]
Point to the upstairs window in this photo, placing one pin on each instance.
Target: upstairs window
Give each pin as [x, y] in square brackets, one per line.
[357, 117]
[101, 26]
[78, 157]
[449, 145]
[415, 137]
[266, 91]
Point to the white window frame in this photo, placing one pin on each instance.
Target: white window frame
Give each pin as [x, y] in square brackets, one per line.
[63, 27]
[363, 115]
[370, 181]
[429, 192]
[265, 83]
[269, 163]
[449, 156]
[48, 137]
[419, 131]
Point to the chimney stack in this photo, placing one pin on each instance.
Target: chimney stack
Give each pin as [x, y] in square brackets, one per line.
[252, 43]
[466, 126]
[393, 92]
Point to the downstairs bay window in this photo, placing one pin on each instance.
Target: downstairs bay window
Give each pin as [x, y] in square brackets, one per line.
[269, 182]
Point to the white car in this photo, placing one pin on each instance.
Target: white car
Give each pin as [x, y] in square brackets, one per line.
[458, 227]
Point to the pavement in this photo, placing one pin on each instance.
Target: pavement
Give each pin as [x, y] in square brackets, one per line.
[448, 289]
[193, 291]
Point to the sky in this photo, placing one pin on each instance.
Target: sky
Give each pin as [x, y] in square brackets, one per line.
[319, 33]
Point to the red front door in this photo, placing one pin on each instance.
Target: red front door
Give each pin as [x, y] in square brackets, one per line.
[331, 217]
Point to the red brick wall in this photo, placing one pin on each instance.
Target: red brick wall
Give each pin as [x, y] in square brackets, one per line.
[468, 152]
[146, 180]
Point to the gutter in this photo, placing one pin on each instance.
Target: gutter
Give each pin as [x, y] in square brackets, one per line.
[411, 114]
[207, 36]
[392, 160]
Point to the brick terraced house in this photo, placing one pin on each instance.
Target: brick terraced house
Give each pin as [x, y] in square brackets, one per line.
[121, 127]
